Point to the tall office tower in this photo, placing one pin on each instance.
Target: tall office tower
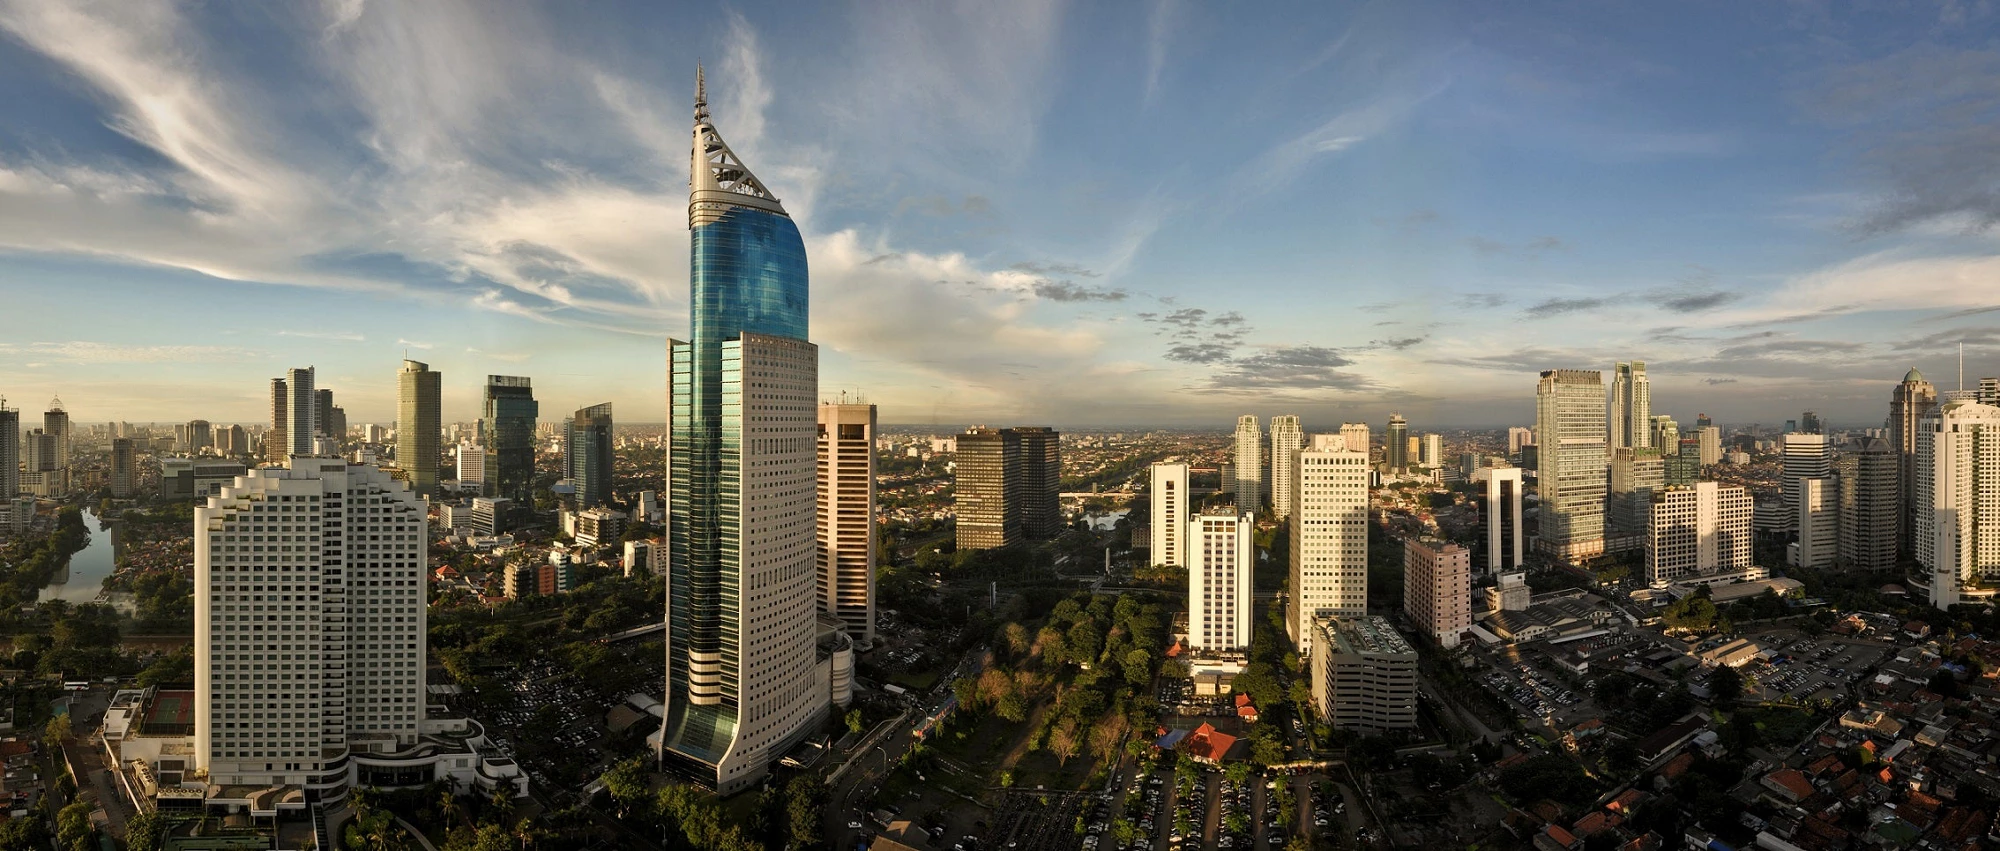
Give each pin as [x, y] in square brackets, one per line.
[1868, 504]
[1957, 523]
[418, 424]
[285, 702]
[1703, 421]
[55, 421]
[847, 517]
[1810, 424]
[1356, 436]
[1517, 437]
[1366, 677]
[1432, 454]
[982, 496]
[1249, 463]
[472, 467]
[1989, 391]
[1910, 402]
[1711, 445]
[1699, 530]
[1396, 446]
[1635, 475]
[1570, 447]
[1171, 505]
[323, 403]
[587, 455]
[276, 443]
[123, 476]
[741, 629]
[1500, 519]
[1040, 482]
[38, 453]
[232, 441]
[1816, 514]
[507, 427]
[1806, 456]
[1683, 460]
[1220, 555]
[302, 425]
[1437, 588]
[200, 435]
[1008, 486]
[1329, 569]
[1665, 434]
[1631, 406]
[334, 424]
[10, 451]
[1286, 441]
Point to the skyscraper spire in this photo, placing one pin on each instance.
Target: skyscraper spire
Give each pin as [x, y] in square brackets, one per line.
[718, 179]
[700, 96]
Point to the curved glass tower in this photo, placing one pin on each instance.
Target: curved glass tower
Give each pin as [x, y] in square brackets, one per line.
[742, 484]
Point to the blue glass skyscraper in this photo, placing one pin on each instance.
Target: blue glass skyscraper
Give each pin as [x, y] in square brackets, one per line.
[743, 679]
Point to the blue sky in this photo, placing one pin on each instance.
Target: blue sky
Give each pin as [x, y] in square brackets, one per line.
[1086, 214]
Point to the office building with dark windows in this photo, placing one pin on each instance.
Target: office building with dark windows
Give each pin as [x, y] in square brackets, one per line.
[507, 428]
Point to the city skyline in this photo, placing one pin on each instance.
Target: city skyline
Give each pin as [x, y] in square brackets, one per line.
[1787, 247]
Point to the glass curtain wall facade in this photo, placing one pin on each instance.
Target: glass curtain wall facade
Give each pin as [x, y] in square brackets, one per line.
[589, 450]
[507, 426]
[741, 580]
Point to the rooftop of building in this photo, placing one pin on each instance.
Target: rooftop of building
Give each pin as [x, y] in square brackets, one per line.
[1369, 634]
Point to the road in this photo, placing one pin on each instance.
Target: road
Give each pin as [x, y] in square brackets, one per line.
[855, 780]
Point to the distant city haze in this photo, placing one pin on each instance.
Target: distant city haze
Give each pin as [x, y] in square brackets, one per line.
[1121, 215]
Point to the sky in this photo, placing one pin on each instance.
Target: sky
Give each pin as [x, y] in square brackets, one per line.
[1034, 212]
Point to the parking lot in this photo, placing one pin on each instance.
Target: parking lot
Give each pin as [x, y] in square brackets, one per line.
[1534, 692]
[1805, 670]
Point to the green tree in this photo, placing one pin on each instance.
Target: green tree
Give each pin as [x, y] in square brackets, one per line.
[56, 732]
[1726, 685]
[73, 826]
[854, 719]
[805, 805]
[146, 831]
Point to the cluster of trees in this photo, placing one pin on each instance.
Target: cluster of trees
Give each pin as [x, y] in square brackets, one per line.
[77, 642]
[1696, 613]
[1552, 776]
[28, 565]
[786, 815]
[1092, 660]
[1640, 705]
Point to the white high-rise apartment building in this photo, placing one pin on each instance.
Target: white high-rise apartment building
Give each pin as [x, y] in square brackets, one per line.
[1249, 463]
[1816, 514]
[472, 466]
[1286, 440]
[10, 452]
[1711, 445]
[1329, 570]
[1573, 458]
[847, 517]
[1171, 507]
[301, 412]
[309, 623]
[1806, 456]
[1957, 497]
[1517, 437]
[1220, 553]
[1432, 452]
[1631, 406]
[1356, 436]
[1698, 529]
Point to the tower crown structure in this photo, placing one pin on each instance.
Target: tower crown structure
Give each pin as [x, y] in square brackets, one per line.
[718, 179]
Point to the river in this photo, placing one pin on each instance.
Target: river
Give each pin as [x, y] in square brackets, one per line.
[88, 568]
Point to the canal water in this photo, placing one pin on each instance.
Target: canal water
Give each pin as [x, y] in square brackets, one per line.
[89, 567]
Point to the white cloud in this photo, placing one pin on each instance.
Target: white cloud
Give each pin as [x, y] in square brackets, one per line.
[91, 352]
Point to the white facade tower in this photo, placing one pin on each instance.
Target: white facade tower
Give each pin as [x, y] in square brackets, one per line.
[1329, 569]
[1957, 498]
[1249, 463]
[1170, 509]
[1220, 556]
[847, 517]
[309, 624]
[1286, 440]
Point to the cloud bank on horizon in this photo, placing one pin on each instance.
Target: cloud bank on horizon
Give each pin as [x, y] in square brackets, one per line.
[1025, 212]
